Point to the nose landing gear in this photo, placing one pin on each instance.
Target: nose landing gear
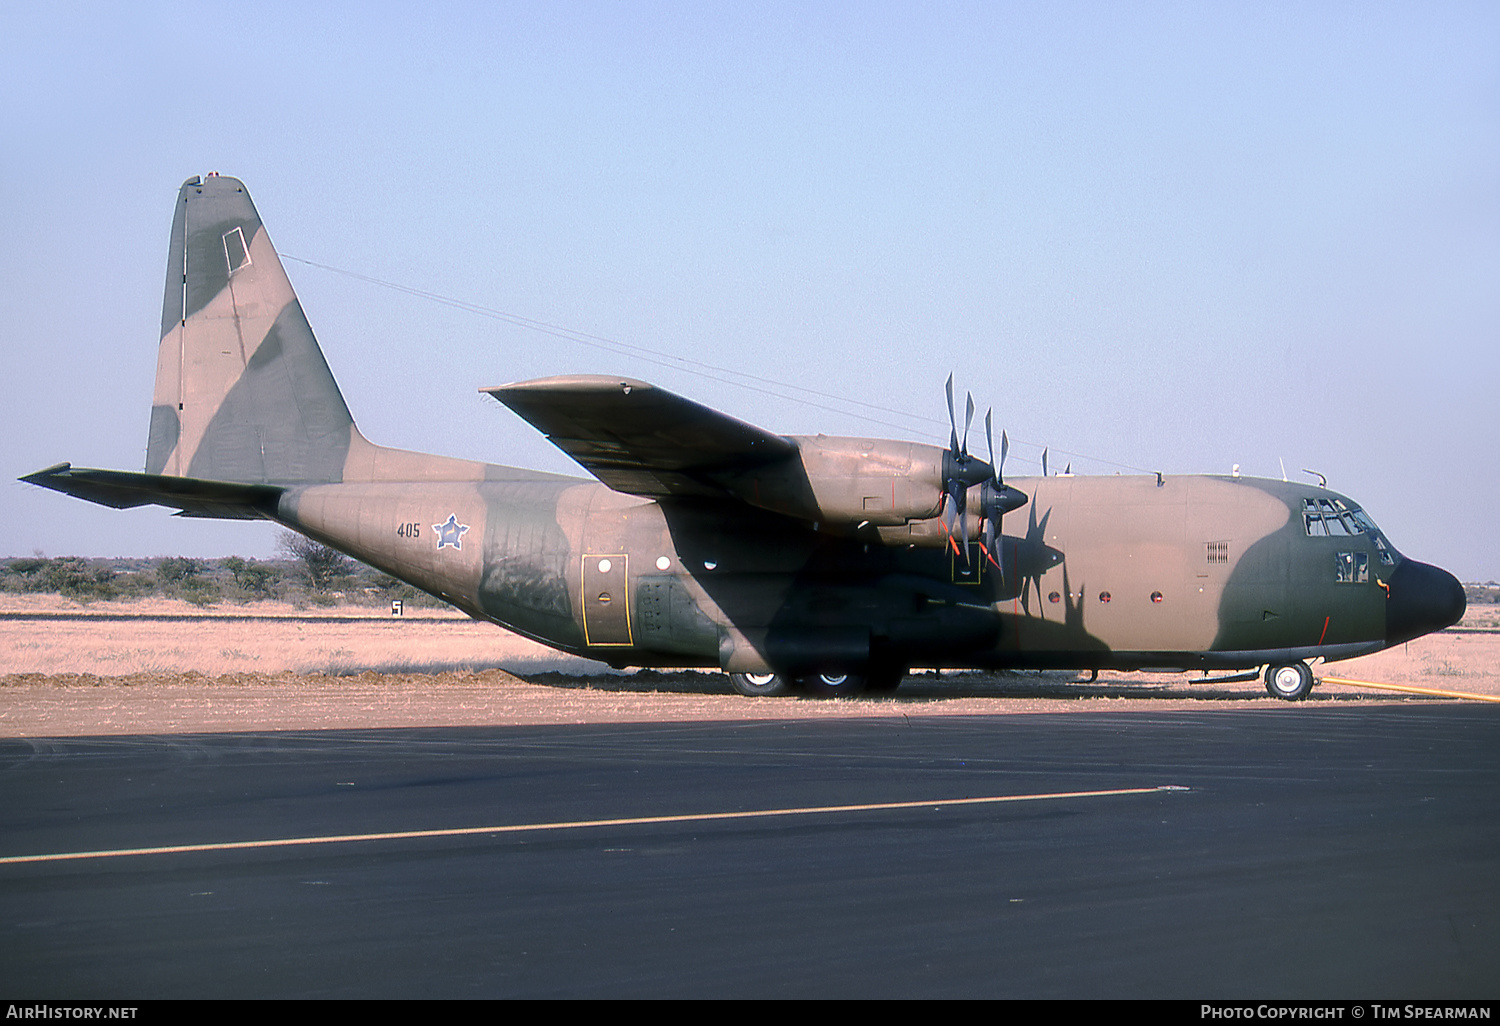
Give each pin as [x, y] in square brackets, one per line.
[1289, 681]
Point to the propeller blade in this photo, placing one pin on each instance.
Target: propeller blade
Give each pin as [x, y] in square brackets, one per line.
[1004, 451]
[968, 420]
[1044, 461]
[989, 547]
[952, 420]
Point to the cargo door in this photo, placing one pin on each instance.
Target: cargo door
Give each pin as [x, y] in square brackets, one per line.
[606, 599]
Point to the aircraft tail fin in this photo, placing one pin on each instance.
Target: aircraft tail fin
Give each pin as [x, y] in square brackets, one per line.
[243, 393]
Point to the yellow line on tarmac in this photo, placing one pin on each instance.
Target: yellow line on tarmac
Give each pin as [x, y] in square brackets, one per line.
[1411, 689]
[517, 828]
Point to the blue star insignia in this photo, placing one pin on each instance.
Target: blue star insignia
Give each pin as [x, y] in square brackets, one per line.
[451, 533]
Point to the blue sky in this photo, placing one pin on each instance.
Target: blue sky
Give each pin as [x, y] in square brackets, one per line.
[1152, 236]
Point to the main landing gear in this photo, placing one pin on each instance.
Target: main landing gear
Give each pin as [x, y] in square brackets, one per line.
[879, 680]
[834, 685]
[823, 685]
[1291, 681]
[761, 685]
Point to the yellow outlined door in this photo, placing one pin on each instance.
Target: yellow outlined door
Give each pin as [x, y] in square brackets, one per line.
[606, 599]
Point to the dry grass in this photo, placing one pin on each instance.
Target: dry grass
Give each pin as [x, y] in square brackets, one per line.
[280, 638]
[285, 671]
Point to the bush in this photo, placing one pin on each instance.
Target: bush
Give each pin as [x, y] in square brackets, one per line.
[257, 579]
[70, 576]
[178, 569]
[320, 566]
[308, 572]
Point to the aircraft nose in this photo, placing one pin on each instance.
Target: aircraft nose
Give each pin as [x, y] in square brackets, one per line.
[1422, 599]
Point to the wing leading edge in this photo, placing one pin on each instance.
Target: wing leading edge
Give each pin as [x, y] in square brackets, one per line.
[640, 439]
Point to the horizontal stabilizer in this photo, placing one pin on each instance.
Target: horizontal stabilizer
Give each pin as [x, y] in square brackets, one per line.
[640, 439]
[192, 496]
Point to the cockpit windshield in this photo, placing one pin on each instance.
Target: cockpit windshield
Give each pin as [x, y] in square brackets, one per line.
[1334, 518]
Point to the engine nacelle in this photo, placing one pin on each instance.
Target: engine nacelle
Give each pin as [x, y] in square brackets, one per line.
[846, 482]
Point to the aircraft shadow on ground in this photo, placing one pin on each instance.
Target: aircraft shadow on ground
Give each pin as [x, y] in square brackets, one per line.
[570, 673]
[1047, 684]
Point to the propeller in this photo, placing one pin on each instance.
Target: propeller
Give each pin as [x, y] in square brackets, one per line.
[996, 497]
[960, 471]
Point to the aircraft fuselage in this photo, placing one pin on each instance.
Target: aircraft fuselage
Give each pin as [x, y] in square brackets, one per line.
[1097, 572]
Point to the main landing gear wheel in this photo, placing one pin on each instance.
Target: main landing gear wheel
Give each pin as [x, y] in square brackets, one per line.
[760, 685]
[883, 680]
[834, 685]
[1291, 681]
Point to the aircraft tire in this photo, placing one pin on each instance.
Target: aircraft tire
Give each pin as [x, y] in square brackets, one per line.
[834, 685]
[1290, 681]
[883, 680]
[761, 685]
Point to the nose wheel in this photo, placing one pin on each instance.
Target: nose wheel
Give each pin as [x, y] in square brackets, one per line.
[1290, 681]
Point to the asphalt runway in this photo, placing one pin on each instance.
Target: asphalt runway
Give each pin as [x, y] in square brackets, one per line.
[1317, 853]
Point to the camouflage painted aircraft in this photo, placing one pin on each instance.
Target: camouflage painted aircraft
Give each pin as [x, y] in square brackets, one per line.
[825, 564]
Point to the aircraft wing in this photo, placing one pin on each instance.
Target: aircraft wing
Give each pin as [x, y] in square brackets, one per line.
[640, 439]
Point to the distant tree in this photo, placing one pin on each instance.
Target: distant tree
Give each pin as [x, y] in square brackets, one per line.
[320, 565]
[250, 576]
[178, 569]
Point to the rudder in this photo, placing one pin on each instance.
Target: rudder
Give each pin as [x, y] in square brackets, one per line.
[243, 392]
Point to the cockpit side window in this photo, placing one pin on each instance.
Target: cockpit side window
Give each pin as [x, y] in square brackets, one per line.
[1352, 567]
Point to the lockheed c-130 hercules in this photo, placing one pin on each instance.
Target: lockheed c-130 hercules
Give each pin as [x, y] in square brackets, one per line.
[791, 562]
